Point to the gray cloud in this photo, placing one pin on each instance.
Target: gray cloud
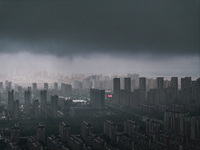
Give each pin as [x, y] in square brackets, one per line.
[68, 28]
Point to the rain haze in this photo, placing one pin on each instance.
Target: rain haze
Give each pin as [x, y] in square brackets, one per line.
[151, 38]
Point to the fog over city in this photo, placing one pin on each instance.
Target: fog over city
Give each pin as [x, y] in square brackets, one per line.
[151, 38]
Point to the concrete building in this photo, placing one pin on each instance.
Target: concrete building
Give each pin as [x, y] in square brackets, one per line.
[27, 98]
[40, 133]
[116, 91]
[97, 98]
[86, 130]
[142, 88]
[56, 86]
[46, 86]
[16, 110]
[15, 133]
[64, 131]
[109, 129]
[10, 100]
[34, 86]
[43, 99]
[131, 127]
[54, 106]
[35, 108]
[160, 90]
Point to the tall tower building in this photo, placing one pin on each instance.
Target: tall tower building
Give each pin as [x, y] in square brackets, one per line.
[174, 87]
[86, 129]
[97, 98]
[109, 129]
[35, 107]
[34, 86]
[160, 90]
[127, 88]
[46, 86]
[43, 99]
[1, 85]
[127, 84]
[56, 86]
[40, 133]
[10, 100]
[16, 110]
[186, 89]
[142, 83]
[160, 83]
[116, 91]
[27, 97]
[54, 106]
[64, 131]
[142, 88]
[15, 133]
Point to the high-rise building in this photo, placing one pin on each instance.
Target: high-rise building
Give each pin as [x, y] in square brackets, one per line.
[142, 88]
[127, 84]
[66, 89]
[116, 91]
[56, 86]
[46, 86]
[43, 99]
[1, 85]
[160, 83]
[109, 129]
[16, 110]
[35, 108]
[127, 89]
[97, 98]
[142, 83]
[10, 100]
[174, 87]
[186, 90]
[54, 106]
[64, 131]
[131, 127]
[19, 89]
[86, 129]
[34, 86]
[15, 133]
[27, 98]
[40, 133]
[160, 90]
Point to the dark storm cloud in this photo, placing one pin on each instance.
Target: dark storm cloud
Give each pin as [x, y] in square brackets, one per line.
[102, 26]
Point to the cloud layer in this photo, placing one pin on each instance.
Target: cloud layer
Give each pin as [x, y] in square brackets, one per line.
[70, 28]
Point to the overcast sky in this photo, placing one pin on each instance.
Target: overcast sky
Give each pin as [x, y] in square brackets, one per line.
[101, 36]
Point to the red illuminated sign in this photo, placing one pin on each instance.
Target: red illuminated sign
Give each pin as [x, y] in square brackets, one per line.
[109, 95]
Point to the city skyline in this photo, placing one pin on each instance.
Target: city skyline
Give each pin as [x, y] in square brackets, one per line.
[149, 38]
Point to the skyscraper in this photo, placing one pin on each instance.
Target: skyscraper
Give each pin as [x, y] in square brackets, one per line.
[142, 83]
[40, 133]
[10, 100]
[116, 91]
[46, 86]
[35, 108]
[127, 89]
[174, 87]
[56, 86]
[160, 90]
[142, 88]
[34, 86]
[97, 98]
[54, 106]
[43, 99]
[186, 90]
[16, 110]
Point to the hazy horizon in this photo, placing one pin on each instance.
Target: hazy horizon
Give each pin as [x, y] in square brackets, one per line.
[152, 39]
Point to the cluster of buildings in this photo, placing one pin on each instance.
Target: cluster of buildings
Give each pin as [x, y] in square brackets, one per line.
[179, 131]
[165, 93]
